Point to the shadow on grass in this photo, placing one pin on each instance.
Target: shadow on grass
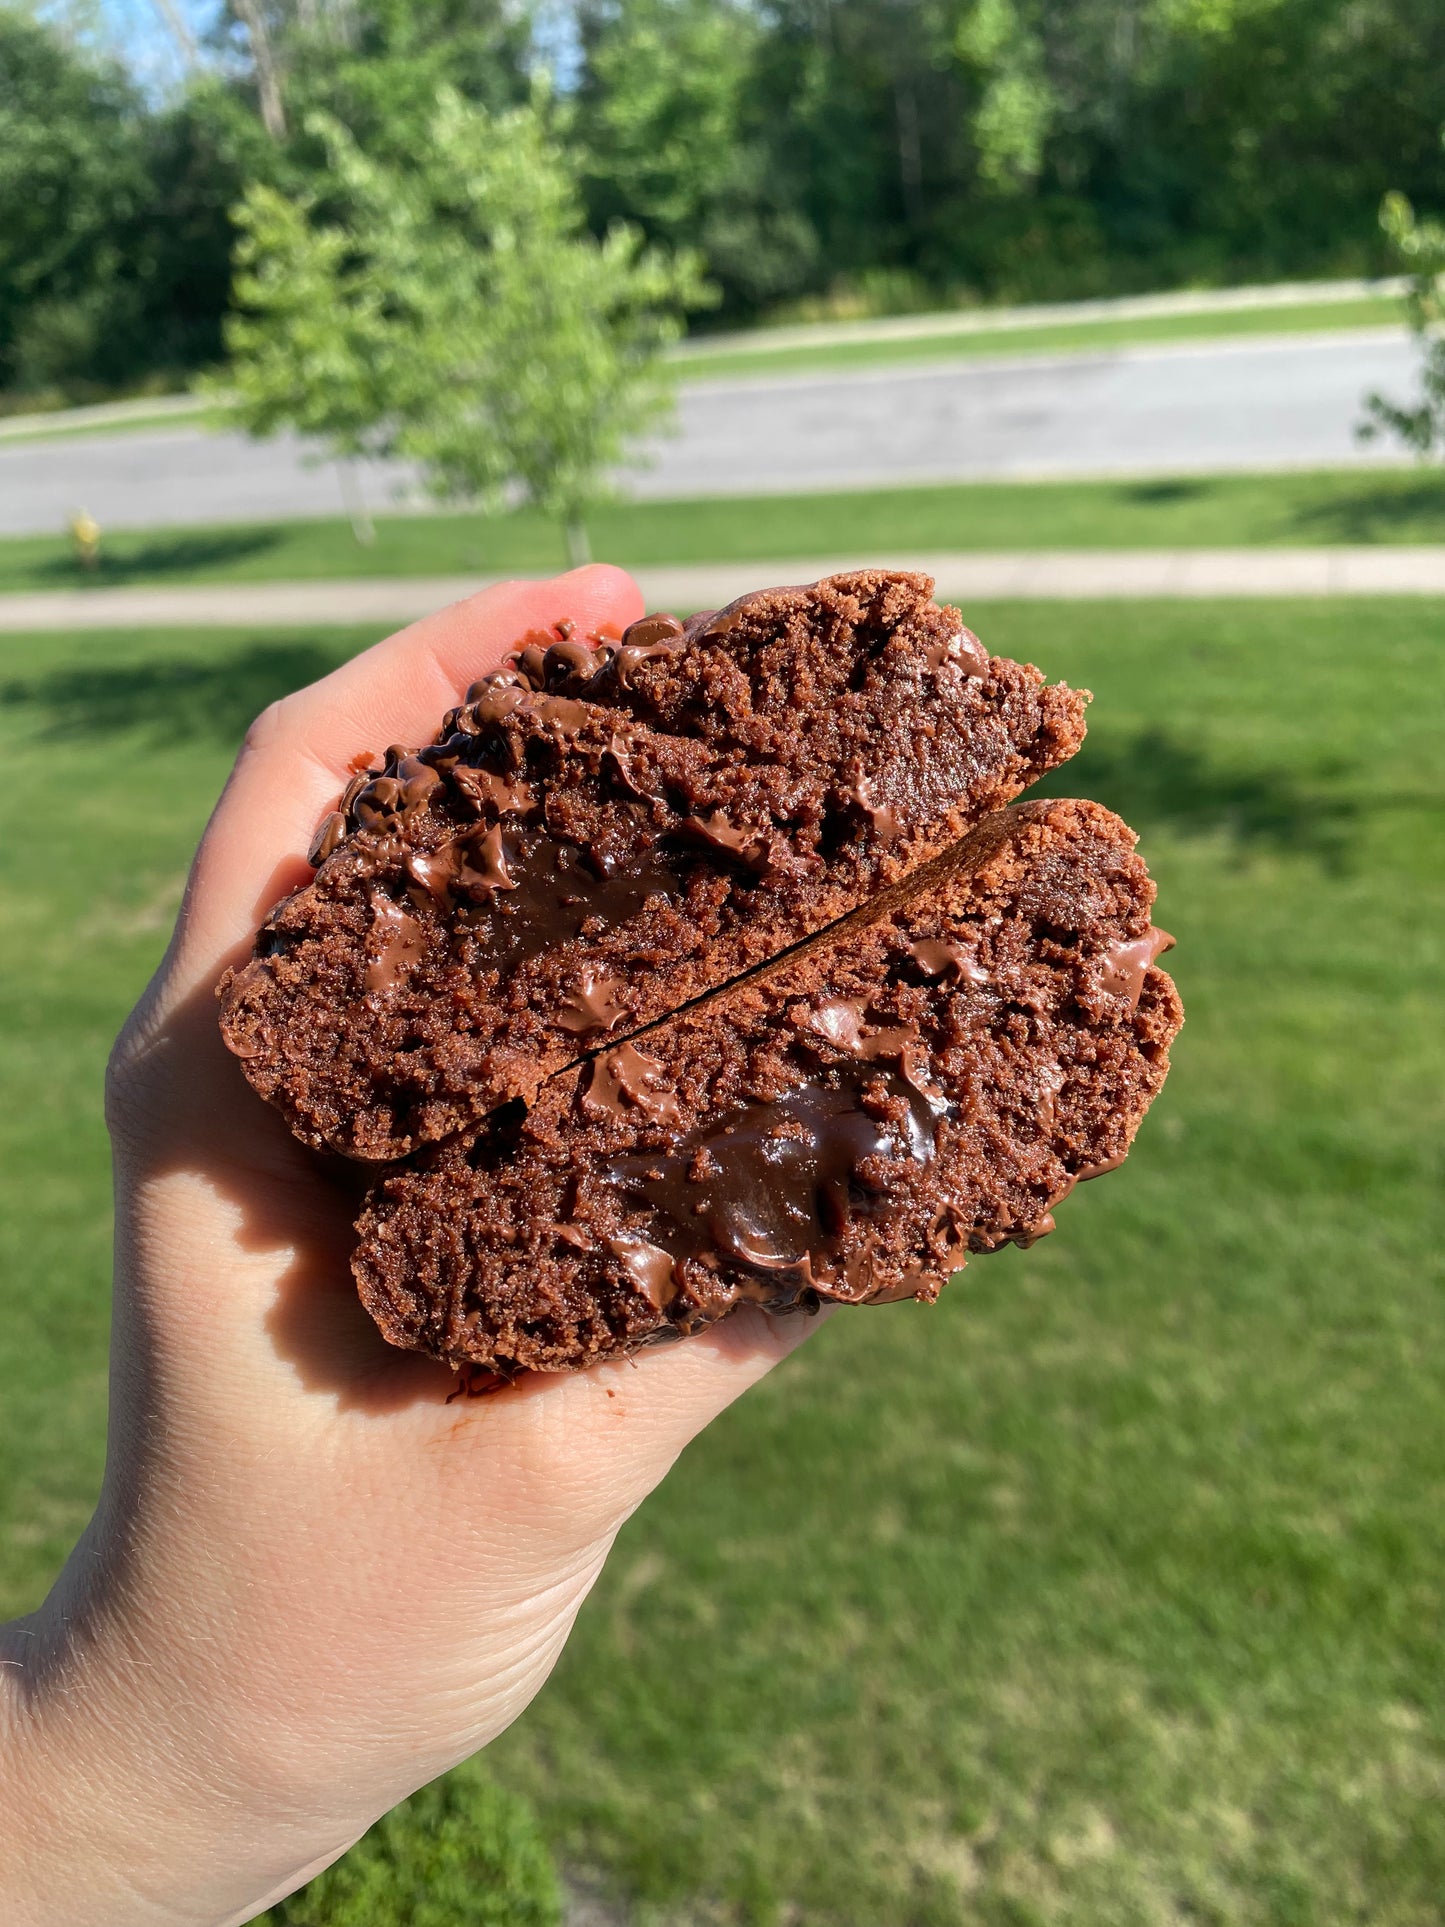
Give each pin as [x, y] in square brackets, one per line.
[213, 700]
[1163, 491]
[1374, 511]
[1155, 778]
[171, 555]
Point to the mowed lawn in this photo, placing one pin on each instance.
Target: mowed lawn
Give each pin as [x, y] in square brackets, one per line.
[756, 355]
[1306, 509]
[1107, 1593]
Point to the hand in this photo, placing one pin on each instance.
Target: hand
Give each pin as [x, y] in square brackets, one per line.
[312, 1583]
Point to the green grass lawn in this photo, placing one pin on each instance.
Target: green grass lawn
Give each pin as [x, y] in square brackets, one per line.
[1107, 1593]
[1333, 506]
[1057, 337]
[64, 428]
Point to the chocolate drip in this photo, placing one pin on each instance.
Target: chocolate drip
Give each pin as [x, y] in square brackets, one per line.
[774, 1189]
[1087, 1171]
[1030, 1234]
[592, 1003]
[882, 817]
[554, 891]
[472, 866]
[940, 957]
[963, 648]
[650, 1268]
[396, 943]
[627, 1079]
[1123, 966]
[485, 790]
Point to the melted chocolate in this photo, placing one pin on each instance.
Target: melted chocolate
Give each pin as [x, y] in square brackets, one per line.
[775, 1187]
[1123, 966]
[569, 661]
[882, 817]
[472, 866]
[941, 957]
[498, 679]
[842, 1021]
[749, 847]
[627, 1079]
[396, 942]
[618, 757]
[1030, 1234]
[553, 892]
[1087, 1171]
[330, 833]
[962, 647]
[485, 790]
[651, 638]
[650, 1268]
[592, 1004]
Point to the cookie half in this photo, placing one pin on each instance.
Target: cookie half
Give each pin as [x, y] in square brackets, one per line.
[607, 829]
[929, 1079]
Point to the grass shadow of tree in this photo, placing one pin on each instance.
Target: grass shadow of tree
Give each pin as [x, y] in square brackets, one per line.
[1374, 512]
[1166, 489]
[211, 699]
[125, 560]
[1155, 778]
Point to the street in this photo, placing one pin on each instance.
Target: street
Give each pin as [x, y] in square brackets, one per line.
[1260, 403]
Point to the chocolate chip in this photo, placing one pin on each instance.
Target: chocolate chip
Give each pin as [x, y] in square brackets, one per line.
[332, 829]
[568, 661]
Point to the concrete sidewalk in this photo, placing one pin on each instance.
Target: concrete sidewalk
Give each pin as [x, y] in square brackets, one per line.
[1036, 575]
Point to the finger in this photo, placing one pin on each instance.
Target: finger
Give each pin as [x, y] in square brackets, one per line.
[296, 757]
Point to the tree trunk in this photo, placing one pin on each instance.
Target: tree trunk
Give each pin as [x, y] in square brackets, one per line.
[354, 502]
[179, 32]
[579, 549]
[268, 78]
[910, 149]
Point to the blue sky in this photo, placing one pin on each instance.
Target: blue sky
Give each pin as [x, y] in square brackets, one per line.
[138, 32]
[135, 31]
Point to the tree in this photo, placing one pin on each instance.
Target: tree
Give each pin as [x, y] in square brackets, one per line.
[375, 65]
[1420, 246]
[668, 137]
[454, 312]
[72, 178]
[114, 231]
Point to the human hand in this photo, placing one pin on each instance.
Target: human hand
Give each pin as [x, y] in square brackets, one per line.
[312, 1583]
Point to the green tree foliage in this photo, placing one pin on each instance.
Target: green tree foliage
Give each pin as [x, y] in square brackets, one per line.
[454, 311]
[1046, 147]
[669, 137]
[113, 232]
[374, 65]
[458, 1854]
[884, 152]
[1419, 244]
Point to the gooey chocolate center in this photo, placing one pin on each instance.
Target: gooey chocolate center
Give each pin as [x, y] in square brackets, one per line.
[774, 1187]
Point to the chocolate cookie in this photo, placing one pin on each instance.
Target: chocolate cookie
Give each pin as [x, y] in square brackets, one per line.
[607, 828]
[929, 1078]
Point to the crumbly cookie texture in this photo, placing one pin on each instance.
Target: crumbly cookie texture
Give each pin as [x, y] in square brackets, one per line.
[608, 828]
[929, 1079]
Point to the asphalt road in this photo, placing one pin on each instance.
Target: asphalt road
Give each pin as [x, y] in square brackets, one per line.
[1285, 402]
